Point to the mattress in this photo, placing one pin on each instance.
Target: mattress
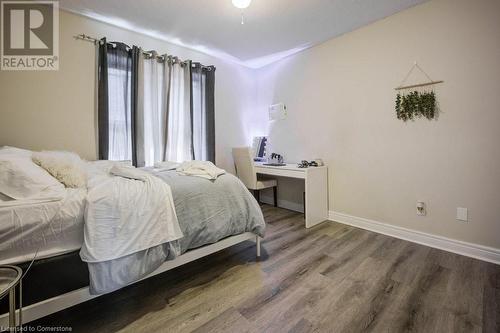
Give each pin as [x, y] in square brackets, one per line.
[52, 228]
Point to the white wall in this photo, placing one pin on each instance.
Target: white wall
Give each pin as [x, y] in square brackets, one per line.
[55, 109]
[340, 100]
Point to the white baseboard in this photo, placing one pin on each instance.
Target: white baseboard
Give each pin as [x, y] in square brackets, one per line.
[296, 207]
[472, 250]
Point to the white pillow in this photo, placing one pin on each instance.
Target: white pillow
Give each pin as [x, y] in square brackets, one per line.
[66, 167]
[13, 151]
[21, 179]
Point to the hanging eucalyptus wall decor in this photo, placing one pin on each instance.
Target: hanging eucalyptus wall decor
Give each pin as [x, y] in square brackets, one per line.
[415, 101]
[416, 104]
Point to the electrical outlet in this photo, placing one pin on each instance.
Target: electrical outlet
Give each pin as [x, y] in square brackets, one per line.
[421, 211]
[462, 214]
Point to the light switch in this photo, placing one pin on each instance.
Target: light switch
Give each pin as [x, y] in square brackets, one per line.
[462, 214]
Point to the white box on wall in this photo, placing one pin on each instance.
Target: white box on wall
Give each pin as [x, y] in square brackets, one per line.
[277, 111]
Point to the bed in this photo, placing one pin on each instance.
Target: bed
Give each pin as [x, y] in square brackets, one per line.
[212, 214]
[23, 228]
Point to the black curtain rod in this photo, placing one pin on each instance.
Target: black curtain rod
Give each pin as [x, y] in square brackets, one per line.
[147, 54]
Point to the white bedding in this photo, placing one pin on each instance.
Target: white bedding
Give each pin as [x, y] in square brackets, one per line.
[203, 169]
[126, 212]
[24, 227]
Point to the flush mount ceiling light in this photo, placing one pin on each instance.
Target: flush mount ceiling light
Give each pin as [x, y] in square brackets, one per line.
[241, 4]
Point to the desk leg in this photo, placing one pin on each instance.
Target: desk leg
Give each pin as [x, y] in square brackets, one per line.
[316, 206]
[256, 195]
[12, 308]
[275, 196]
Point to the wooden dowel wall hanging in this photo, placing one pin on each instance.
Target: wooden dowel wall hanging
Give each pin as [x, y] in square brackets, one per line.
[416, 100]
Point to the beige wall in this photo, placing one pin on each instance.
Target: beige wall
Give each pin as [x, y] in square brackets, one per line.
[340, 100]
[55, 109]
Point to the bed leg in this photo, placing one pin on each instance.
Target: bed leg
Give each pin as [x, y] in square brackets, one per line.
[257, 244]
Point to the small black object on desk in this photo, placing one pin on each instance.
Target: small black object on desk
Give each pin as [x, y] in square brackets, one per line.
[305, 164]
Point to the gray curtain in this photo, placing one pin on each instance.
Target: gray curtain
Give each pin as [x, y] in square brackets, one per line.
[136, 117]
[210, 112]
[117, 100]
[203, 112]
[102, 100]
[139, 115]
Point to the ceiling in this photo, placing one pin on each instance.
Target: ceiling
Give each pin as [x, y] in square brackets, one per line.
[273, 29]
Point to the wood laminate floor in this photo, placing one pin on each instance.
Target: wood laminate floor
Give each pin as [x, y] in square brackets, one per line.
[331, 278]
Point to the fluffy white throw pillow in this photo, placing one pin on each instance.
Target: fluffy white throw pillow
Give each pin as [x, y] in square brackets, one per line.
[66, 167]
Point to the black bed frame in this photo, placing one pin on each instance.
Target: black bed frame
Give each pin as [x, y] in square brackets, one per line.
[51, 277]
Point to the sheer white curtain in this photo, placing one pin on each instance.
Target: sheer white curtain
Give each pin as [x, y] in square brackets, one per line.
[179, 145]
[153, 109]
[164, 111]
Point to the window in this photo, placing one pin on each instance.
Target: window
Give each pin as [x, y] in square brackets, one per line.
[154, 108]
[119, 128]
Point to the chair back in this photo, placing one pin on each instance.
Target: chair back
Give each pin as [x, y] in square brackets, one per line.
[243, 163]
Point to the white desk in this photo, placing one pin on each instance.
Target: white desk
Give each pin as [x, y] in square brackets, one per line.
[316, 184]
